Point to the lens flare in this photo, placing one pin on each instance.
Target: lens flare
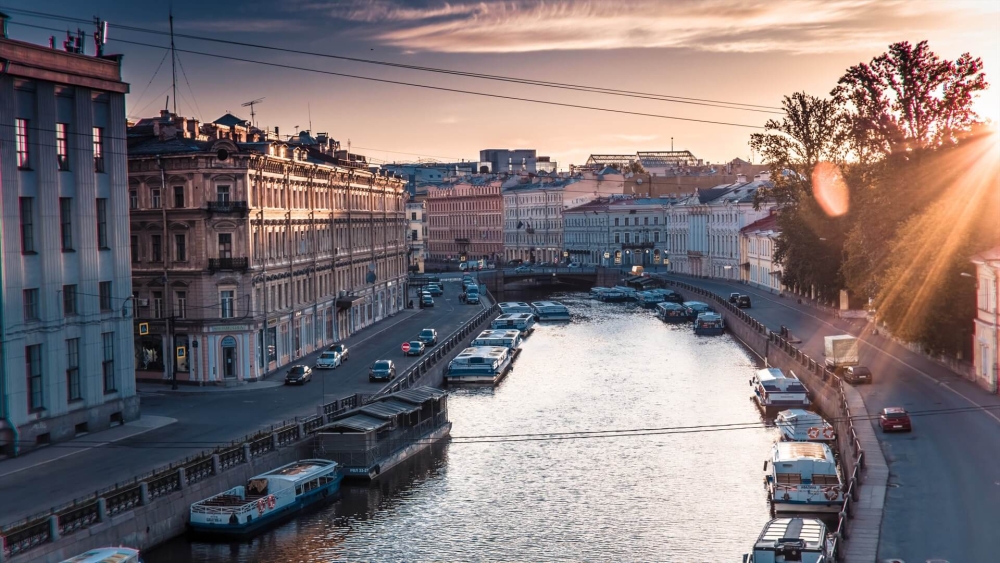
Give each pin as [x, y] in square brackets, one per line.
[829, 189]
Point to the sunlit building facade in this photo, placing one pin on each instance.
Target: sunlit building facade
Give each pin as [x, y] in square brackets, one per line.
[986, 345]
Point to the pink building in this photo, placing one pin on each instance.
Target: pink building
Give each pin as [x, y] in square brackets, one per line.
[465, 219]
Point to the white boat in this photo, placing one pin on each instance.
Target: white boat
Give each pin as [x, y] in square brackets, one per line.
[803, 477]
[802, 540]
[550, 311]
[479, 364]
[524, 322]
[709, 324]
[514, 307]
[266, 498]
[799, 425]
[508, 338]
[773, 390]
[107, 555]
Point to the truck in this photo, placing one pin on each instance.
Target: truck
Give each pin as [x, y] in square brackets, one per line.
[841, 351]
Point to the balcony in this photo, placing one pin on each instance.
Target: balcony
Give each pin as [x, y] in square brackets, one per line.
[228, 265]
[228, 207]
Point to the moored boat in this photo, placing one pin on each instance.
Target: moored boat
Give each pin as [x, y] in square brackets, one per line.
[107, 555]
[709, 324]
[524, 322]
[508, 338]
[266, 498]
[774, 391]
[550, 311]
[803, 477]
[695, 308]
[628, 292]
[479, 364]
[671, 312]
[800, 425]
[782, 540]
[649, 299]
[514, 307]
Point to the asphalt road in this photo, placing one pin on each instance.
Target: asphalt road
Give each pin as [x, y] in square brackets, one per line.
[943, 501]
[207, 419]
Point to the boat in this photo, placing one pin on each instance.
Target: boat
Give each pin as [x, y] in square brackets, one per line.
[266, 498]
[800, 425]
[550, 311]
[709, 324]
[596, 291]
[649, 299]
[508, 338]
[508, 307]
[107, 555]
[524, 322]
[694, 308]
[607, 294]
[371, 439]
[627, 291]
[803, 477]
[802, 540]
[773, 390]
[671, 312]
[479, 364]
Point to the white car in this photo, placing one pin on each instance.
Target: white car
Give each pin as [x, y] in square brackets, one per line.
[328, 360]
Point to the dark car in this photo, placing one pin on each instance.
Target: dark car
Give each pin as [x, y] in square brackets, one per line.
[382, 370]
[734, 297]
[743, 302]
[299, 375]
[434, 289]
[426, 300]
[428, 336]
[894, 419]
[416, 348]
[857, 374]
[341, 349]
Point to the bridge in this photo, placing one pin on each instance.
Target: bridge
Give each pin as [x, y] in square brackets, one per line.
[547, 277]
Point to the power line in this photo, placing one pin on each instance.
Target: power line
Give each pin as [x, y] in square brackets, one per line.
[516, 80]
[157, 71]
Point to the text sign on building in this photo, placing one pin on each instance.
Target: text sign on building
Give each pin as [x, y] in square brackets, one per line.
[228, 328]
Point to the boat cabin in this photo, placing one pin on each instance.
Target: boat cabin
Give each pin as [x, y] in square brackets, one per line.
[671, 312]
[803, 477]
[515, 307]
[709, 324]
[773, 390]
[787, 540]
[650, 299]
[694, 308]
[524, 322]
[107, 555]
[479, 364]
[799, 425]
[550, 311]
[508, 338]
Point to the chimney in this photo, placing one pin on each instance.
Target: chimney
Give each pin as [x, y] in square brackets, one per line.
[741, 178]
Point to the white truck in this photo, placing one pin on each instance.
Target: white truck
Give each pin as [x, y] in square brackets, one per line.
[841, 351]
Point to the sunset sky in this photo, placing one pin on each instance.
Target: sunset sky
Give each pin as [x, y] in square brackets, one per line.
[726, 50]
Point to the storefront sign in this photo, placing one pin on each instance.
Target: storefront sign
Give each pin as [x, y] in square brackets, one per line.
[272, 322]
[228, 328]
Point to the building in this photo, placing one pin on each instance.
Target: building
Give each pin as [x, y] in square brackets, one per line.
[503, 161]
[619, 231]
[249, 252]
[464, 220]
[986, 344]
[757, 264]
[65, 308]
[416, 230]
[435, 173]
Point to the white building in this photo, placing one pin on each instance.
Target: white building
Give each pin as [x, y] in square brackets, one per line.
[416, 234]
[619, 231]
[986, 345]
[757, 265]
[66, 308]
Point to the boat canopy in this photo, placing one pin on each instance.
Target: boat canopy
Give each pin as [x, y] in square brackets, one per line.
[670, 306]
[802, 451]
[809, 530]
[419, 395]
[388, 409]
[356, 423]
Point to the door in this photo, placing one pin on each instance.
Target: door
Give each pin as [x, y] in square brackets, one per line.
[229, 357]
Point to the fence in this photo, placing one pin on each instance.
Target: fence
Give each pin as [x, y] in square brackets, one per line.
[825, 384]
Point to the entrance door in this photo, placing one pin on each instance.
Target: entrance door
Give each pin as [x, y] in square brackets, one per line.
[229, 357]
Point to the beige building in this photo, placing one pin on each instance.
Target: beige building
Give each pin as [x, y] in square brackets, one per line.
[757, 264]
[464, 220]
[249, 255]
[986, 342]
[416, 234]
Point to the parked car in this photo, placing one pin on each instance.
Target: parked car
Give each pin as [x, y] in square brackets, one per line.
[434, 289]
[416, 348]
[328, 360]
[343, 350]
[471, 296]
[894, 419]
[734, 297]
[428, 336]
[426, 300]
[298, 374]
[573, 265]
[382, 370]
[522, 270]
[743, 302]
[857, 374]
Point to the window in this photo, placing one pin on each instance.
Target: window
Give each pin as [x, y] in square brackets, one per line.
[104, 291]
[178, 196]
[180, 301]
[617, 238]
[225, 245]
[69, 300]
[222, 194]
[102, 223]
[73, 370]
[31, 304]
[62, 146]
[656, 220]
[108, 366]
[66, 222]
[27, 225]
[645, 220]
[98, 149]
[616, 221]
[134, 239]
[413, 234]
[33, 367]
[628, 237]
[157, 309]
[156, 246]
[656, 236]
[23, 158]
[413, 216]
[226, 299]
[180, 248]
[133, 199]
[154, 198]
[626, 221]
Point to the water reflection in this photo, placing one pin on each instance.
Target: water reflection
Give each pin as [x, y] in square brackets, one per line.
[680, 497]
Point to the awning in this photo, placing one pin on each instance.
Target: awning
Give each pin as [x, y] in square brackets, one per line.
[348, 301]
[357, 422]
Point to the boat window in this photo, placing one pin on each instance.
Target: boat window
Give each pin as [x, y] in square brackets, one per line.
[298, 490]
[770, 386]
[825, 480]
[796, 388]
[788, 478]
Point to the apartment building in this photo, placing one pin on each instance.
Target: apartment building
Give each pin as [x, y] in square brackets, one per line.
[986, 341]
[757, 244]
[65, 308]
[619, 231]
[416, 234]
[464, 220]
[249, 253]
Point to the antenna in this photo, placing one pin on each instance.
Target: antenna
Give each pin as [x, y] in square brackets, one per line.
[252, 103]
[309, 109]
[173, 58]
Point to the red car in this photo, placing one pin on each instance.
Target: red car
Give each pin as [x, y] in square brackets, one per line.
[894, 419]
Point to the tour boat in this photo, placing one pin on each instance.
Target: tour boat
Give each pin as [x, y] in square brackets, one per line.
[803, 477]
[709, 324]
[802, 540]
[650, 299]
[480, 364]
[508, 338]
[514, 307]
[628, 292]
[266, 498]
[607, 294]
[550, 311]
[799, 425]
[524, 322]
[695, 308]
[107, 555]
[773, 390]
[671, 312]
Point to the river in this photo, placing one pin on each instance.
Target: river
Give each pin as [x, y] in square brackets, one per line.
[682, 496]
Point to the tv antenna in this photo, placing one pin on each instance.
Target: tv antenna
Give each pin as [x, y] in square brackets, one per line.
[251, 103]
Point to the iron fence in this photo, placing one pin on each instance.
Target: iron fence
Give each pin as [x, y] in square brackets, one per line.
[78, 518]
[123, 500]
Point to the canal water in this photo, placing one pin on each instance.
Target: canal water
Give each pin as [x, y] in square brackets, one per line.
[656, 495]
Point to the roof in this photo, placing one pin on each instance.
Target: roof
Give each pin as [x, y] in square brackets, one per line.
[895, 410]
[105, 555]
[799, 414]
[418, 395]
[770, 373]
[991, 255]
[229, 120]
[811, 530]
[358, 423]
[802, 450]
[769, 223]
[298, 469]
[388, 408]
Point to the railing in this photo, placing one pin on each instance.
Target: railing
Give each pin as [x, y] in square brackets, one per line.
[124, 500]
[228, 264]
[228, 207]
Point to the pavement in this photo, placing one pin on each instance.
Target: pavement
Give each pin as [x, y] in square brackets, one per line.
[207, 417]
[942, 498]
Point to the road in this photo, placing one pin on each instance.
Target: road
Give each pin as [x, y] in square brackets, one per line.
[207, 419]
[943, 501]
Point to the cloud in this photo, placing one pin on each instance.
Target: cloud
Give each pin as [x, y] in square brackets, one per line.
[797, 26]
